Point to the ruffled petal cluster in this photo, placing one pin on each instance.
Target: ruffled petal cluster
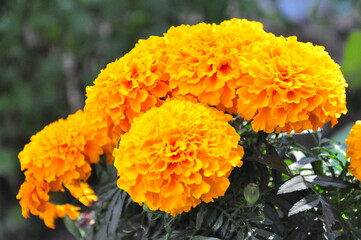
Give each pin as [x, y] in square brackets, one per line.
[353, 150]
[59, 156]
[34, 199]
[290, 86]
[204, 60]
[177, 155]
[127, 87]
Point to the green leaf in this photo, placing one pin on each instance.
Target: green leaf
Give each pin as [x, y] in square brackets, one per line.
[204, 238]
[296, 183]
[271, 161]
[304, 204]
[260, 219]
[218, 224]
[200, 217]
[109, 219]
[299, 164]
[266, 234]
[327, 181]
[317, 167]
[116, 213]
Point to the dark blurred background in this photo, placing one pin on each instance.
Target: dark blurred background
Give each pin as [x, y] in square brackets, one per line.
[51, 50]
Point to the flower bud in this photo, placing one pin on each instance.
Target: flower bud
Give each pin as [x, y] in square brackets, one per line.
[251, 193]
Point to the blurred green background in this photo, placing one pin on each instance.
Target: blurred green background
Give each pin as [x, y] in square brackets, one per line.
[51, 50]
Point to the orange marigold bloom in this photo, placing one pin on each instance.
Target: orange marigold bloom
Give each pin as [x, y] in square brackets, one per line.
[34, 198]
[59, 155]
[353, 150]
[63, 151]
[129, 86]
[177, 155]
[290, 85]
[204, 59]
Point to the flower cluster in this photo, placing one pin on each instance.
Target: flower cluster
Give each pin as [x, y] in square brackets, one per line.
[353, 150]
[177, 155]
[174, 153]
[279, 83]
[59, 156]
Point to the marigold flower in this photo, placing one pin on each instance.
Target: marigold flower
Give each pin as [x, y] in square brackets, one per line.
[204, 59]
[290, 85]
[177, 155]
[59, 156]
[63, 151]
[128, 87]
[34, 198]
[353, 150]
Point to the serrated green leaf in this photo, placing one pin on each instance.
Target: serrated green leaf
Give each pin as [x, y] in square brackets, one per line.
[279, 202]
[200, 217]
[303, 161]
[266, 234]
[260, 220]
[326, 181]
[117, 209]
[204, 238]
[212, 218]
[273, 217]
[296, 183]
[330, 215]
[218, 224]
[271, 161]
[108, 218]
[304, 204]
[225, 230]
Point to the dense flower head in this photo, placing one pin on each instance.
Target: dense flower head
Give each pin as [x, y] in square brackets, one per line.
[59, 156]
[353, 150]
[177, 155]
[204, 59]
[128, 87]
[290, 85]
[63, 151]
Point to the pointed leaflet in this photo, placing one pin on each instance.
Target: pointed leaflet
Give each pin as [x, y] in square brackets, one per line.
[266, 234]
[326, 181]
[302, 162]
[296, 183]
[304, 204]
[271, 161]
